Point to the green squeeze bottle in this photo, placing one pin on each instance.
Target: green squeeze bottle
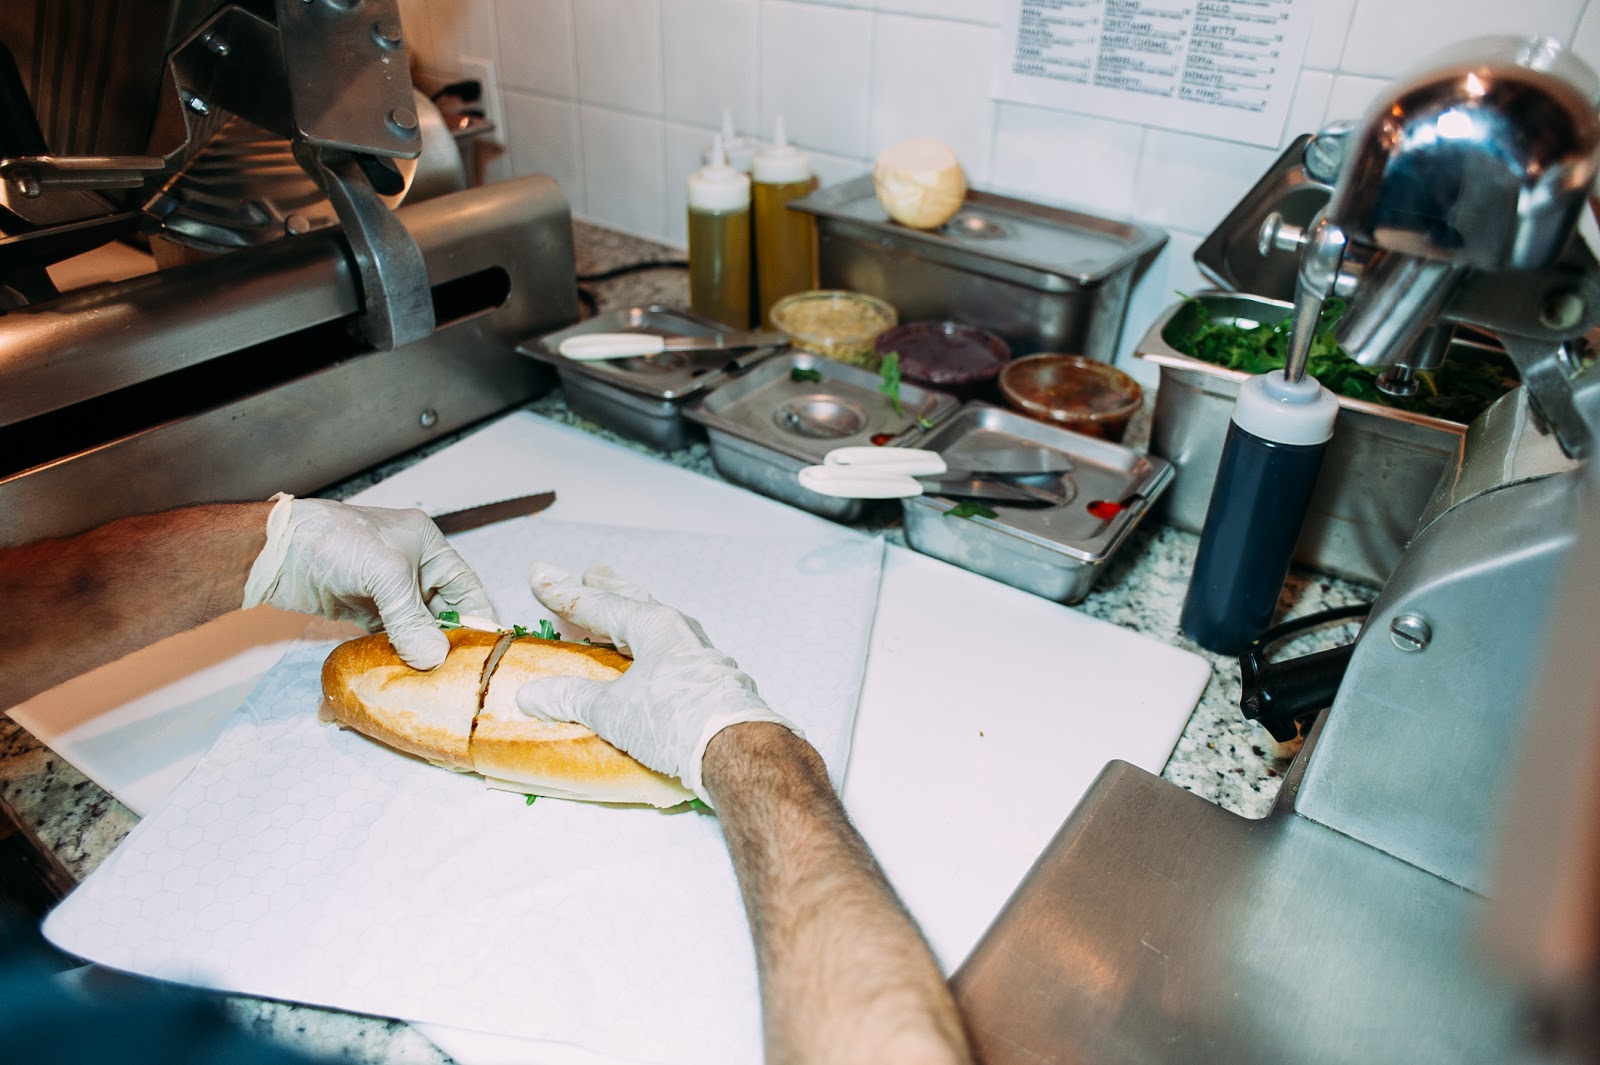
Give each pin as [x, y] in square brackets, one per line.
[719, 241]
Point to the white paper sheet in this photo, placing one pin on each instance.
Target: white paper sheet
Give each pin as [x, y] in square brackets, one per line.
[1219, 68]
[305, 863]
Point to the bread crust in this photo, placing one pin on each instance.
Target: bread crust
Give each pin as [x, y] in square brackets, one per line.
[437, 716]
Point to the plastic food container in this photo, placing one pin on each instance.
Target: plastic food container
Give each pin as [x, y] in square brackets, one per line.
[960, 359]
[1073, 392]
[838, 324]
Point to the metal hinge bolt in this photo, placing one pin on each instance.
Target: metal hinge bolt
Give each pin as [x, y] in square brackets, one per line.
[1410, 632]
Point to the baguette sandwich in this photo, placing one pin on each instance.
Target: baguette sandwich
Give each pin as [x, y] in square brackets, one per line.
[464, 716]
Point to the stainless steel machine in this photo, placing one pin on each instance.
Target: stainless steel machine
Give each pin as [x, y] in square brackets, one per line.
[1352, 924]
[312, 329]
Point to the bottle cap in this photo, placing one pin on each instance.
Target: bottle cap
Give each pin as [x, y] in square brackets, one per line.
[1273, 409]
[781, 163]
[738, 151]
[718, 186]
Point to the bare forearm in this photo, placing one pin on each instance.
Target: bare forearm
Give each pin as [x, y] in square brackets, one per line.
[71, 605]
[846, 977]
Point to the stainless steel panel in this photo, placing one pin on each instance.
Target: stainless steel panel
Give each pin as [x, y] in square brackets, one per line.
[308, 431]
[1415, 754]
[97, 340]
[1157, 927]
[1379, 472]
[753, 445]
[1044, 279]
[1056, 552]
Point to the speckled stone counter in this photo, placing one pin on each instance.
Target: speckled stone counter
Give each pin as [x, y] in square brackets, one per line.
[1220, 756]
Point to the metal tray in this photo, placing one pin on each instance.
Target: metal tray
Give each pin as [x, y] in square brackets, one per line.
[1056, 552]
[643, 397]
[1042, 278]
[1377, 476]
[756, 444]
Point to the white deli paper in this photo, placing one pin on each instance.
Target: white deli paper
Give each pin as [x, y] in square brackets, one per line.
[306, 863]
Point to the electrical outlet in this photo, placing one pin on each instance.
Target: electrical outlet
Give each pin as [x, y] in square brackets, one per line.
[482, 71]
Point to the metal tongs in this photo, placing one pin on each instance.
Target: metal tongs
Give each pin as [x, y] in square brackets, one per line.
[903, 472]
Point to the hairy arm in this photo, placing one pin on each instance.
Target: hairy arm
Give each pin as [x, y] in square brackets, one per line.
[71, 605]
[845, 975]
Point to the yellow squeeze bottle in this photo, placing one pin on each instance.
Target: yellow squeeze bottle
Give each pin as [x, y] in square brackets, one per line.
[719, 241]
[786, 241]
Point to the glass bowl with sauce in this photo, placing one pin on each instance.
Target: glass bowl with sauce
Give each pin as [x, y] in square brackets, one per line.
[1074, 392]
[960, 359]
[837, 324]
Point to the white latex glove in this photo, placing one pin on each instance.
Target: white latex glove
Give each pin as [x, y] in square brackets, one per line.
[678, 694]
[387, 569]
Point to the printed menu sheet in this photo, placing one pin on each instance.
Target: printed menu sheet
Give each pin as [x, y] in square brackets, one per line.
[1220, 68]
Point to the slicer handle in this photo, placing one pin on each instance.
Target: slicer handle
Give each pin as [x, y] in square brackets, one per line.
[591, 347]
[844, 482]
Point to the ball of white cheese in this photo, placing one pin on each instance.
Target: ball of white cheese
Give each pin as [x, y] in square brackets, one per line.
[919, 183]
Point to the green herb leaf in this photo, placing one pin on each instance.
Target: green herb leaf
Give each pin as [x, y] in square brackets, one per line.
[889, 370]
[1457, 391]
[800, 373]
[531, 799]
[449, 619]
[547, 631]
[519, 630]
[696, 804]
[924, 423]
[970, 509]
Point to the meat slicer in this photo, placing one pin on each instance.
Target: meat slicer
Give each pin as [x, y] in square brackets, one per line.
[1425, 889]
[307, 328]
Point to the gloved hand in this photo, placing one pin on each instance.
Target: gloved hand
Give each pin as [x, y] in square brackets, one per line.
[387, 569]
[678, 694]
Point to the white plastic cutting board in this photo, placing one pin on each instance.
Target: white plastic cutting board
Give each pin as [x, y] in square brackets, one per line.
[985, 714]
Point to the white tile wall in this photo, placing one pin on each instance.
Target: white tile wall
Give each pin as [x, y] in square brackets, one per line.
[615, 99]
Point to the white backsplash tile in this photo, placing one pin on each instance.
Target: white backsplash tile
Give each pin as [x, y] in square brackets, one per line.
[460, 27]
[538, 46]
[1172, 272]
[1351, 96]
[709, 52]
[1185, 180]
[1060, 158]
[543, 137]
[987, 12]
[1586, 41]
[1330, 25]
[1310, 104]
[623, 171]
[619, 54]
[1389, 38]
[930, 79]
[832, 169]
[815, 61]
[683, 146]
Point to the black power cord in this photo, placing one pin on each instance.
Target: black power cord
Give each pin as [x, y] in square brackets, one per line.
[588, 299]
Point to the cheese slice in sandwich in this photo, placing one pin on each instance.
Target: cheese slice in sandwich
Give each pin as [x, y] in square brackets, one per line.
[464, 715]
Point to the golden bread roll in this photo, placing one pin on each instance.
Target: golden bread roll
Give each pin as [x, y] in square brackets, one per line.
[464, 715]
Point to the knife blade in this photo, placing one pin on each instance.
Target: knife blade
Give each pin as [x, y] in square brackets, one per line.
[967, 484]
[1009, 461]
[458, 521]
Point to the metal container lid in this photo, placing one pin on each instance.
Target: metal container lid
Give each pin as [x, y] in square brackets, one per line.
[1103, 473]
[671, 375]
[1232, 257]
[1048, 248]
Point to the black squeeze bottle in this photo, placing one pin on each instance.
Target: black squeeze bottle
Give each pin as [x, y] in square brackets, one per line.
[1269, 466]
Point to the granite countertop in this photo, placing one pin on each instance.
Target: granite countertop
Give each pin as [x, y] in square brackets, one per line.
[1221, 756]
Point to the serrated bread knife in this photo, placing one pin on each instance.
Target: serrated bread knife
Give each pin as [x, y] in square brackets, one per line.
[458, 521]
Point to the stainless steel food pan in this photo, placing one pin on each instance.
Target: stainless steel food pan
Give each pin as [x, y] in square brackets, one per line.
[1056, 552]
[1379, 472]
[1043, 278]
[643, 398]
[767, 423]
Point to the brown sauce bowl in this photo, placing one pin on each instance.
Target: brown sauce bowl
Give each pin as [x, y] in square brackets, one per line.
[1074, 392]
